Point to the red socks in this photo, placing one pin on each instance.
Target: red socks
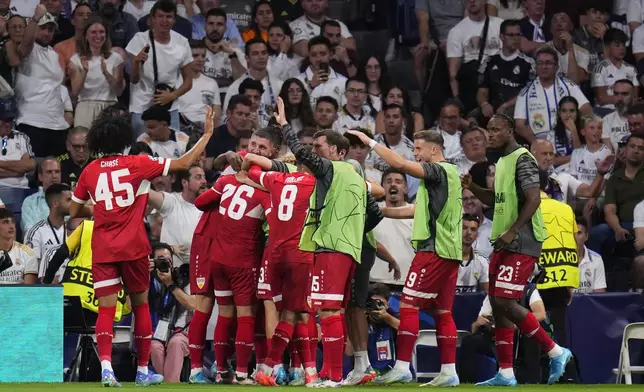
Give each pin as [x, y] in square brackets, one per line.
[142, 333]
[244, 342]
[313, 337]
[407, 333]
[222, 328]
[333, 345]
[446, 337]
[531, 328]
[301, 338]
[105, 332]
[294, 354]
[261, 343]
[504, 342]
[281, 338]
[197, 338]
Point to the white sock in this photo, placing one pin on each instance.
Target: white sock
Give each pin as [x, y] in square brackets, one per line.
[403, 366]
[555, 352]
[311, 371]
[106, 365]
[507, 372]
[241, 375]
[361, 360]
[195, 371]
[142, 369]
[448, 369]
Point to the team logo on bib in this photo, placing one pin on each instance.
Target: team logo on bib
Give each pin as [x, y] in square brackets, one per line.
[538, 121]
[201, 282]
[516, 70]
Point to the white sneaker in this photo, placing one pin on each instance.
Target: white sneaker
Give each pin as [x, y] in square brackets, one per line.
[443, 380]
[331, 384]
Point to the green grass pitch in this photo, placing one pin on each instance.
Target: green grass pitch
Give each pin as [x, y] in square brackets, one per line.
[369, 388]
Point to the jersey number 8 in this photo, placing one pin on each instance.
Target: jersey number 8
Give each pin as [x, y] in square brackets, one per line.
[287, 198]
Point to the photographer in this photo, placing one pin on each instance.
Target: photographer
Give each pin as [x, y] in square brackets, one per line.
[383, 326]
[171, 306]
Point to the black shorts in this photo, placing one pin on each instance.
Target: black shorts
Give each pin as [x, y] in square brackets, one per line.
[45, 142]
[360, 281]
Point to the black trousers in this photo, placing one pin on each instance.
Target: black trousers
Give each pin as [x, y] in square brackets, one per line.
[45, 142]
[556, 304]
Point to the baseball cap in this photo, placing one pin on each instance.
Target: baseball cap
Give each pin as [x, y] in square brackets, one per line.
[47, 18]
[7, 110]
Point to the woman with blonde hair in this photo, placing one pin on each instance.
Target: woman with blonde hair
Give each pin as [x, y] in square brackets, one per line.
[96, 73]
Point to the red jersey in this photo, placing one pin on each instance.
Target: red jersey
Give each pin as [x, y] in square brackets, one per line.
[208, 223]
[290, 195]
[239, 237]
[119, 187]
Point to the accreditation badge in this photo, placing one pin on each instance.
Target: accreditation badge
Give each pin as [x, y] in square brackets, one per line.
[383, 349]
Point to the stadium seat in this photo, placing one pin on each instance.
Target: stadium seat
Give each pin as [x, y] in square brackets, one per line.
[427, 338]
[624, 368]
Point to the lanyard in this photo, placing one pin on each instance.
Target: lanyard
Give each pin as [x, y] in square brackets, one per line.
[545, 93]
[53, 231]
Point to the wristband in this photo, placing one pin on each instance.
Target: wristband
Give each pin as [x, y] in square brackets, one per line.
[372, 144]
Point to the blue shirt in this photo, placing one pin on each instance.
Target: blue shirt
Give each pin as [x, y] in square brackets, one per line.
[199, 30]
[34, 209]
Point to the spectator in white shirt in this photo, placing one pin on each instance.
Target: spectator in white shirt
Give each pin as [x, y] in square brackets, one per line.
[204, 91]
[41, 111]
[592, 276]
[393, 138]
[225, 62]
[96, 73]
[612, 69]
[451, 119]
[582, 163]
[257, 60]
[254, 90]
[297, 104]
[535, 112]
[635, 14]
[353, 115]
[473, 144]
[24, 268]
[326, 112]
[638, 227]
[615, 125]
[180, 216]
[374, 71]
[473, 273]
[394, 234]
[282, 62]
[308, 26]
[319, 78]
[474, 207]
[573, 59]
[164, 142]
[173, 58]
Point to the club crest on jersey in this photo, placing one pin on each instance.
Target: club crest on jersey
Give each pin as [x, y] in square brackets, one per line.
[201, 282]
[516, 70]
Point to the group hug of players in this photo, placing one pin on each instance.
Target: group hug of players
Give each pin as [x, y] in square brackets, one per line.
[318, 214]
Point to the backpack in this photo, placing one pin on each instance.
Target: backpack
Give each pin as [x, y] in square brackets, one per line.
[406, 25]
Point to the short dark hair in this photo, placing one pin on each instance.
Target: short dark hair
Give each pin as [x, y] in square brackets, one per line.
[509, 23]
[391, 170]
[157, 245]
[158, 113]
[271, 133]
[140, 147]
[165, 6]
[6, 213]
[430, 136]
[81, 4]
[319, 40]
[597, 5]
[638, 108]
[252, 42]
[110, 135]
[356, 79]
[454, 102]
[46, 159]
[333, 138]
[307, 132]
[239, 99]
[217, 12]
[615, 35]
[379, 289]
[182, 175]
[470, 130]
[471, 218]
[197, 44]
[624, 81]
[329, 22]
[55, 190]
[549, 51]
[251, 84]
[634, 136]
[393, 106]
[327, 99]
[581, 221]
[354, 140]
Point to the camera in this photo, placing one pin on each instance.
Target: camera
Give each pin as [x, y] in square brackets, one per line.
[374, 304]
[162, 265]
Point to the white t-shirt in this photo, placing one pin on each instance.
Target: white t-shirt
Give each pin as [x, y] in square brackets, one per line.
[67, 99]
[38, 82]
[283, 67]
[180, 220]
[18, 145]
[334, 87]
[204, 91]
[638, 40]
[347, 121]
[539, 106]
[41, 237]
[635, 11]
[581, 56]
[614, 127]
[472, 273]
[395, 236]
[139, 13]
[592, 275]
[220, 67]
[583, 162]
[171, 57]
[638, 216]
[304, 29]
[451, 143]
[606, 74]
[463, 164]
[568, 183]
[486, 308]
[514, 10]
[24, 8]
[175, 147]
[463, 40]
[96, 87]
[272, 88]
[482, 244]
[24, 262]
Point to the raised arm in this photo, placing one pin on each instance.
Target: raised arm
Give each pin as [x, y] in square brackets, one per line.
[204, 201]
[486, 196]
[195, 152]
[156, 199]
[374, 215]
[406, 212]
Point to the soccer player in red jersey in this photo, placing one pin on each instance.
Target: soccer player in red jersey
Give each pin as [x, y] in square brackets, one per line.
[289, 269]
[118, 186]
[236, 251]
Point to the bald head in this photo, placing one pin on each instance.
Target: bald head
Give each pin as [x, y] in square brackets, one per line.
[544, 152]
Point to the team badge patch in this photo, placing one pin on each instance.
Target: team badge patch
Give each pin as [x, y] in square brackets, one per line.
[201, 282]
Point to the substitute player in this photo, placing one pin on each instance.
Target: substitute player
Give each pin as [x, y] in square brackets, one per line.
[119, 185]
[437, 238]
[518, 232]
[334, 227]
[236, 251]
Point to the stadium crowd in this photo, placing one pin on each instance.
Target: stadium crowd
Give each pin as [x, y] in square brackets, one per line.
[151, 142]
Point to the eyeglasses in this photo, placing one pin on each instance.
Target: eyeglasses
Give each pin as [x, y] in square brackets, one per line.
[79, 147]
[356, 91]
